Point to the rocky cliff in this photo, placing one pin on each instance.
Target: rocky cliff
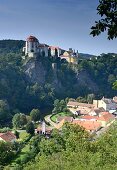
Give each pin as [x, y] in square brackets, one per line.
[38, 70]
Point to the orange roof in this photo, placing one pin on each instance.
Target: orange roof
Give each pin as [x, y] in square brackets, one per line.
[8, 136]
[88, 125]
[89, 117]
[106, 116]
[32, 39]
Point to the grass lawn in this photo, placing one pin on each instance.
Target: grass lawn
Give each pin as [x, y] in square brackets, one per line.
[54, 117]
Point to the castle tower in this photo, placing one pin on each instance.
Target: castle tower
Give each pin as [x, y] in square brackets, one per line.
[31, 48]
[43, 127]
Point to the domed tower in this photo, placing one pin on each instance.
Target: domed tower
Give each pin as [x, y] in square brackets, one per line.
[31, 47]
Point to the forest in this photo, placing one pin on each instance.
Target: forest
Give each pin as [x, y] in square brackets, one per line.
[19, 95]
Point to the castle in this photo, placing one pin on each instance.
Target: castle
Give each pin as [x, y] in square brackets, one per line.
[33, 48]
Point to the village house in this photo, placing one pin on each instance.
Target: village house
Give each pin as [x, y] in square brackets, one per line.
[79, 108]
[107, 104]
[90, 126]
[96, 111]
[7, 137]
[106, 118]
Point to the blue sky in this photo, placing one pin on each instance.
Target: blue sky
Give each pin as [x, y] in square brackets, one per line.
[64, 23]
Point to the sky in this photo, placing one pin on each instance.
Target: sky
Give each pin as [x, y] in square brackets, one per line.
[63, 23]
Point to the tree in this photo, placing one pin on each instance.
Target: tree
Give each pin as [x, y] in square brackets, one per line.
[115, 85]
[30, 128]
[19, 120]
[23, 119]
[35, 115]
[59, 106]
[108, 10]
[90, 98]
[4, 111]
[15, 121]
[6, 152]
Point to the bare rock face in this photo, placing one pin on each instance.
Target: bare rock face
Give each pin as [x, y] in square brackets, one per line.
[34, 71]
[37, 72]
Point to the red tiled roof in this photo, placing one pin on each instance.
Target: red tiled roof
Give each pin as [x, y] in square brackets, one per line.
[88, 125]
[88, 117]
[8, 136]
[106, 116]
[32, 39]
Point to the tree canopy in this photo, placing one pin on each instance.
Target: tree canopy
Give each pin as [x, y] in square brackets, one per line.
[107, 9]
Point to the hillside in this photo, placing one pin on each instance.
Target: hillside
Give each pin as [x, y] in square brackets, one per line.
[36, 84]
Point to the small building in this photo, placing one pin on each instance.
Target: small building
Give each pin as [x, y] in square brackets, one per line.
[44, 129]
[106, 118]
[96, 111]
[90, 126]
[107, 104]
[7, 137]
[70, 56]
[74, 104]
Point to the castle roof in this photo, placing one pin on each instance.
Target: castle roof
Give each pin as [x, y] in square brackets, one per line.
[32, 39]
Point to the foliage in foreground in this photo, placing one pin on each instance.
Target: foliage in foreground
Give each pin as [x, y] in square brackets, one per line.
[73, 148]
[79, 153]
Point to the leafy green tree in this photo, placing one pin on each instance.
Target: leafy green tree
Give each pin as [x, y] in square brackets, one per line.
[16, 121]
[23, 119]
[35, 114]
[6, 152]
[81, 99]
[19, 120]
[107, 9]
[90, 98]
[4, 111]
[60, 106]
[115, 85]
[30, 128]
